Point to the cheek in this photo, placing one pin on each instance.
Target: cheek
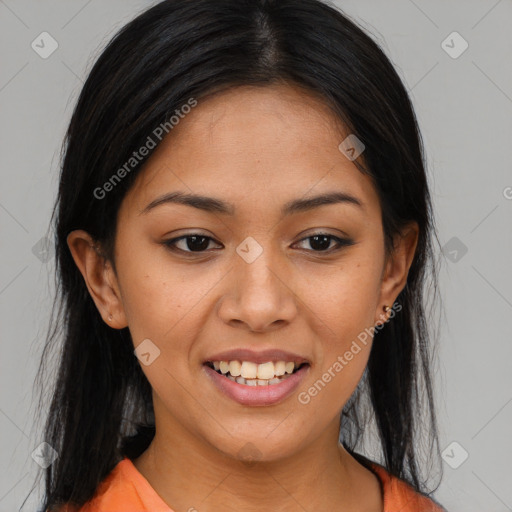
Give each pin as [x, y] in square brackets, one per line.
[344, 299]
[342, 308]
[342, 314]
[334, 383]
[159, 298]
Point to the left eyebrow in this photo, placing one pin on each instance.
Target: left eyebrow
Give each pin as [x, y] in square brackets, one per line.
[214, 205]
[302, 205]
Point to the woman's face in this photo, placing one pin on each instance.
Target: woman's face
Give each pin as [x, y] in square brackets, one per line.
[259, 280]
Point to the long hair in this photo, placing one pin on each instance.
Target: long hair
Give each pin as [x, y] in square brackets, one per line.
[101, 407]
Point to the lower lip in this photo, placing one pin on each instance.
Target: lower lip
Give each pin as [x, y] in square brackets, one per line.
[257, 395]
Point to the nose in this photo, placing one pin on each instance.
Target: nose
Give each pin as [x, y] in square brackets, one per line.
[259, 298]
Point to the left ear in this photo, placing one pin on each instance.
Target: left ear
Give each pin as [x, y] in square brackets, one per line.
[396, 268]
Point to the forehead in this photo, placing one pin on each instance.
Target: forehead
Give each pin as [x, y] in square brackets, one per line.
[249, 144]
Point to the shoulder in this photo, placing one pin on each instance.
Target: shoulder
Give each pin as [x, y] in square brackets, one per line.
[399, 495]
[116, 491]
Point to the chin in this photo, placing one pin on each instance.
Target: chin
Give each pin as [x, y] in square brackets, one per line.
[256, 447]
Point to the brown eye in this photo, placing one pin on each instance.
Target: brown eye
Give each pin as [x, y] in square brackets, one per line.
[321, 242]
[189, 243]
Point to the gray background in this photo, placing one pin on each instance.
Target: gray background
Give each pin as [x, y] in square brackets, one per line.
[464, 107]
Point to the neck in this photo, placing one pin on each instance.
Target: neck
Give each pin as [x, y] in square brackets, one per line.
[189, 475]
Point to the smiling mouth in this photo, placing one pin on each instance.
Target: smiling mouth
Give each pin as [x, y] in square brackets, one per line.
[248, 374]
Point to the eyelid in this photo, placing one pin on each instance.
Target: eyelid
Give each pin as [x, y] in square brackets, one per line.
[170, 244]
[340, 241]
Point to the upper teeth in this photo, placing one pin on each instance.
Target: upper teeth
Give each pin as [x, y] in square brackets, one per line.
[250, 370]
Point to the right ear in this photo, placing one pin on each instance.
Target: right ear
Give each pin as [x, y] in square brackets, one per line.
[99, 277]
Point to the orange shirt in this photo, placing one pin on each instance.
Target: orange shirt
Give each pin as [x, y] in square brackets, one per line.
[126, 490]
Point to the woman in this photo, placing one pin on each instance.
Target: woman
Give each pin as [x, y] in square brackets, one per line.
[244, 235]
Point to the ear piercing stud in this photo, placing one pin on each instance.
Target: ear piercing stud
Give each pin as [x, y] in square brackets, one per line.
[386, 309]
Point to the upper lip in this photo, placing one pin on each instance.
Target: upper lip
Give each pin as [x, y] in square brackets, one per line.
[258, 357]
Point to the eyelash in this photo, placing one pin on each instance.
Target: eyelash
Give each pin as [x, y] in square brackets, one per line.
[342, 242]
